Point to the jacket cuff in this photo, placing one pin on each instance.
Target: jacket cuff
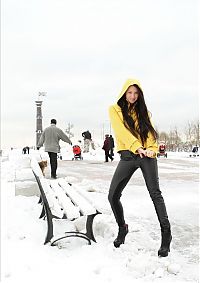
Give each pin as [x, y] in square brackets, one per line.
[153, 148]
[134, 147]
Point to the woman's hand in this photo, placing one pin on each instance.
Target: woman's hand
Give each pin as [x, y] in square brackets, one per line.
[150, 153]
[141, 152]
[146, 152]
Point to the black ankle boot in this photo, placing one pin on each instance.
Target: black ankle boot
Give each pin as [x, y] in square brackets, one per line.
[165, 244]
[123, 231]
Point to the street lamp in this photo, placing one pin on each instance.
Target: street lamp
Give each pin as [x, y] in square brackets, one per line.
[39, 116]
[106, 127]
[41, 93]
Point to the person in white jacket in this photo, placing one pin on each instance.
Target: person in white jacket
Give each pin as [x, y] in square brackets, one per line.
[50, 138]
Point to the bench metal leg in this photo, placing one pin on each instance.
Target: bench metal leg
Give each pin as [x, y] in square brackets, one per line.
[40, 199]
[89, 224]
[72, 234]
[43, 212]
[49, 235]
[87, 236]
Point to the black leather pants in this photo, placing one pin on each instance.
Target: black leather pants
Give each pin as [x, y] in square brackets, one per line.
[128, 164]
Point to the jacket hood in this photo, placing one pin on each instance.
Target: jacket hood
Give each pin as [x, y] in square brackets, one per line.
[126, 85]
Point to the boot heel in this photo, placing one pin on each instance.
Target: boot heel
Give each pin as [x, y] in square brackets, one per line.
[123, 231]
[165, 245]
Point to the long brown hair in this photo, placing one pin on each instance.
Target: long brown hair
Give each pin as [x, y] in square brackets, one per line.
[144, 125]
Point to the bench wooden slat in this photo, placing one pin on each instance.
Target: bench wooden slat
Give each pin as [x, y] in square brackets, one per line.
[85, 207]
[91, 199]
[52, 200]
[71, 211]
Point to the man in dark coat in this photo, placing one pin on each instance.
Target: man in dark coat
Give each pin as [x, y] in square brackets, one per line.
[106, 148]
[112, 145]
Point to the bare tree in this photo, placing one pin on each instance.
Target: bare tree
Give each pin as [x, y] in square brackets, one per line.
[163, 136]
[174, 139]
[189, 131]
[192, 132]
[68, 130]
[196, 132]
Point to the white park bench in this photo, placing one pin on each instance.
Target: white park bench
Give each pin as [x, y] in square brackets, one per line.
[61, 200]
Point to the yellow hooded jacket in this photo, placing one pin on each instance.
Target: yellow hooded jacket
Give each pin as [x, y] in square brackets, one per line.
[125, 140]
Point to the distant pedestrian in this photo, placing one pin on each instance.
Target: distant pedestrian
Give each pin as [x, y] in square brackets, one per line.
[87, 141]
[195, 149]
[106, 148]
[24, 150]
[112, 145]
[50, 138]
[28, 149]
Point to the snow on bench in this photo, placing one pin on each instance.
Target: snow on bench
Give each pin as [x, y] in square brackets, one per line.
[52, 199]
[93, 201]
[65, 202]
[85, 207]
[61, 200]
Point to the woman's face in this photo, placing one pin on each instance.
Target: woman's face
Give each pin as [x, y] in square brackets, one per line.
[132, 94]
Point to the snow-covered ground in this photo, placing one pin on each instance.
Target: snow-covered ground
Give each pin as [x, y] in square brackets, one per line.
[24, 258]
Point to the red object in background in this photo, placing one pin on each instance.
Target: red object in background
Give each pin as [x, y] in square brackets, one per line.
[162, 147]
[76, 149]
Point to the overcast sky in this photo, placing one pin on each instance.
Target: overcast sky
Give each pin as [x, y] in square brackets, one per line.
[80, 52]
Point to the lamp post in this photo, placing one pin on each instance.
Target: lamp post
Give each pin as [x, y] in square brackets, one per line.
[39, 116]
[105, 128]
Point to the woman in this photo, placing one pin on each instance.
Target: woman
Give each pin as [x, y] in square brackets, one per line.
[106, 148]
[137, 146]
